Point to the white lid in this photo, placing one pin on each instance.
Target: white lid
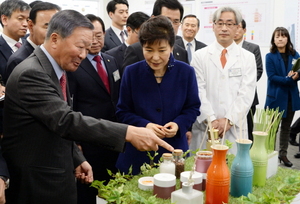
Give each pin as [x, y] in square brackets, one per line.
[197, 177]
[164, 180]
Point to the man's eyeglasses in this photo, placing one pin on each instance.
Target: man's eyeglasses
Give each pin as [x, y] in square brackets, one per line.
[228, 25]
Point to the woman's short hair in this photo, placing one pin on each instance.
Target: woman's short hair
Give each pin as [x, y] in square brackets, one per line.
[155, 29]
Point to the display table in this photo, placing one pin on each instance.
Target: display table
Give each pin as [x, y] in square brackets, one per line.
[284, 185]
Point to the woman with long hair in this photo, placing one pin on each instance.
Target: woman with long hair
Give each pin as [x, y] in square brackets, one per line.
[282, 89]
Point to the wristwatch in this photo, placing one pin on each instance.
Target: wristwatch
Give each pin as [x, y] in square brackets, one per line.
[6, 181]
[230, 122]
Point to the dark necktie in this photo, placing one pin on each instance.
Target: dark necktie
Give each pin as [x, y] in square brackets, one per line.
[189, 52]
[101, 72]
[63, 85]
[18, 45]
[223, 58]
[122, 36]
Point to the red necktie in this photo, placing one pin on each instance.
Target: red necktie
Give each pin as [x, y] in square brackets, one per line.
[63, 85]
[101, 72]
[223, 58]
[18, 45]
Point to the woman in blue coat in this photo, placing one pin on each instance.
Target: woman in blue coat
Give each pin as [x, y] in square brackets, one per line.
[282, 89]
[158, 93]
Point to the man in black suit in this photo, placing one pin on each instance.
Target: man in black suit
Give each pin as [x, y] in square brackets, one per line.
[118, 13]
[92, 98]
[40, 126]
[39, 17]
[14, 16]
[190, 27]
[174, 11]
[251, 47]
[134, 21]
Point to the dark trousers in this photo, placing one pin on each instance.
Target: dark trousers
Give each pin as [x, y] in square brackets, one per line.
[285, 130]
[295, 129]
[100, 159]
[250, 122]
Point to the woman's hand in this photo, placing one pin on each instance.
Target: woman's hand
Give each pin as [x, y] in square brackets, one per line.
[170, 129]
[157, 129]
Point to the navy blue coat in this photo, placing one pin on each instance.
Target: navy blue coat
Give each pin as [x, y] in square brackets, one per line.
[279, 85]
[142, 100]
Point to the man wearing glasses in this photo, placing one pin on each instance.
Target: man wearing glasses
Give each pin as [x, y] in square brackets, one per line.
[226, 75]
[94, 87]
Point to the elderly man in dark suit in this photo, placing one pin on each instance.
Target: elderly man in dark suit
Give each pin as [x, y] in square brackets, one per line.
[190, 27]
[40, 126]
[174, 11]
[39, 18]
[92, 98]
[117, 11]
[251, 47]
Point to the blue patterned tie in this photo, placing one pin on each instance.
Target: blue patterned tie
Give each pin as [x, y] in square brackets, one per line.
[189, 52]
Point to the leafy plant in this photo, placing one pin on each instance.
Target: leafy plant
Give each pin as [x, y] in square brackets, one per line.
[267, 120]
[114, 191]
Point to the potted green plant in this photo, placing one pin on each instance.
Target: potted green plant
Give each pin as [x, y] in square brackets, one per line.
[268, 120]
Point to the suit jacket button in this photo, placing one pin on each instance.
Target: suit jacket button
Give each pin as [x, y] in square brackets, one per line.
[158, 110]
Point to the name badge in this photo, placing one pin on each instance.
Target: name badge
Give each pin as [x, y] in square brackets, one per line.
[235, 72]
[116, 75]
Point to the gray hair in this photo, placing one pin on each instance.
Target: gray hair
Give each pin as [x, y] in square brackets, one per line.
[9, 6]
[66, 21]
[237, 14]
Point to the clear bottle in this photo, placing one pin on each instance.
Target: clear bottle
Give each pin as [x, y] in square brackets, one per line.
[167, 165]
[179, 162]
[216, 138]
[187, 195]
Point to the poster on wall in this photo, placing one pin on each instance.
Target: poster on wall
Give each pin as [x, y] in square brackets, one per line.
[256, 13]
[292, 23]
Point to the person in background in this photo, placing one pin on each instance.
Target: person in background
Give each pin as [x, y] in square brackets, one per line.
[226, 76]
[34, 3]
[41, 127]
[251, 47]
[173, 10]
[118, 13]
[39, 18]
[295, 129]
[133, 25]
[14, 16]
[92, 97]
[159, 93]
[190, 27]
[282, 90]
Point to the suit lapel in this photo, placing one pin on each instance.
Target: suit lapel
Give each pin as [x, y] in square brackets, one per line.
[215, 57]
[110, 70]
[281, 62]
[232, 60]
[47, 66]
[5, 49]
[114, 38]
[89, 68]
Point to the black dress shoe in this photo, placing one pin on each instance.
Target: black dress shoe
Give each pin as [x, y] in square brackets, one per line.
[294, 143]
[297, 155]
[285, 160]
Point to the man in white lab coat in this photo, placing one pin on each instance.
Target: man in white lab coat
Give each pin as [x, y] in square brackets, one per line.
[226, 76]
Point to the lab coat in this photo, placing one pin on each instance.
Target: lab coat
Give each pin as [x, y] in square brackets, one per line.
[225, 92]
